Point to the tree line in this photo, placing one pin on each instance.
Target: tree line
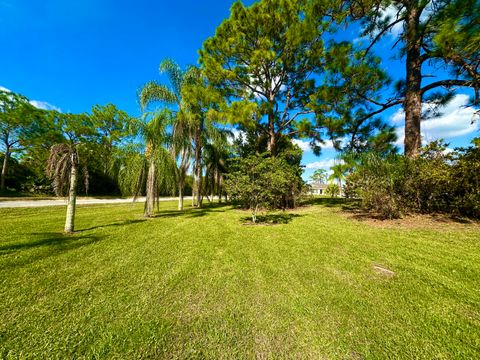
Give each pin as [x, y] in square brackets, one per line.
[275, 71]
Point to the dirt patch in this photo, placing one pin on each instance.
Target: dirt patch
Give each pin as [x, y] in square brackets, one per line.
[434, 221]
[383, 271]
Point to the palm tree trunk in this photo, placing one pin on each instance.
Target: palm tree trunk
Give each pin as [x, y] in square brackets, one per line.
[4, 168]
[180, 192]
[72, 198]
[194, 185]
[214, 182]
[198, 167]
[150, 196]
[217, 182]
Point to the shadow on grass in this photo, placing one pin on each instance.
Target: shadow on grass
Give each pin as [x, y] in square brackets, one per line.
[270, 219]
[122, 223]
[57, 241]
[47, 246]
[193, 212]
[343, 203]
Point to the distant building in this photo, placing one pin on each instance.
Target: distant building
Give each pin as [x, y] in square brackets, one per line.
[318, 188]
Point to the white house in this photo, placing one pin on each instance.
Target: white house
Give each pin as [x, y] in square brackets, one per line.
[318, 188]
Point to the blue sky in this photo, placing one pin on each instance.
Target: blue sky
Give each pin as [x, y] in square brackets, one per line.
[74, 54]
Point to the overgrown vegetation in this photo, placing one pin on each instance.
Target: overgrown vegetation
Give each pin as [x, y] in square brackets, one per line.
[435, 181]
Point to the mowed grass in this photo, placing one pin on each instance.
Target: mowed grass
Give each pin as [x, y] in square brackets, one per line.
[202, 284]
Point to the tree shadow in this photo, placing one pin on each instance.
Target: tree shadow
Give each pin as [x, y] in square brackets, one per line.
[270, 219]
[192, 212]
[58, 241]
[122, 223]
[47, 245]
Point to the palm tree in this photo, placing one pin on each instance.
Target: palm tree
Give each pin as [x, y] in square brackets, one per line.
[181, 150]
[154, 169]
[340, 171]
[217, 151]
[182, 130]
[199, 99]
[65, 160]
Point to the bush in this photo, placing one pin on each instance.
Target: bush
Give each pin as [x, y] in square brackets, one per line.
[435, 181]
[263, 182]
[377, 181]
[332, 190]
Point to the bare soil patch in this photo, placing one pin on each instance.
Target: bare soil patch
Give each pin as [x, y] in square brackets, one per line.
[417, 221]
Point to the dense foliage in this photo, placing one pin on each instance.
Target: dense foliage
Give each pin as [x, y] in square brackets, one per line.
[435, 181]
[263, 182]
[282, 75]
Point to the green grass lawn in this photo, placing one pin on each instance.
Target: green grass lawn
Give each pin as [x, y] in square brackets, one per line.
[201, 284]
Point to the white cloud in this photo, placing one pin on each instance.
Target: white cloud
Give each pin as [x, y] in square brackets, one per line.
[400, 135]
[398, 117]
[391, 12]
[322, 164]
[44, 105]
[305, 145]
[455, 120]
[236, 135]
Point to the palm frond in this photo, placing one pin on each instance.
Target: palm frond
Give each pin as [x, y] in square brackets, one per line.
[174, 73]
[132, 174]
[58, 167]
[153, 91]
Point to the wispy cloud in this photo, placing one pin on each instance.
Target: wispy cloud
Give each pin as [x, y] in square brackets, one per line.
[44, 105]
[321, 164]
[237, 134]
[391, 12]
[305, 145]
[38, 103]
[455, 120]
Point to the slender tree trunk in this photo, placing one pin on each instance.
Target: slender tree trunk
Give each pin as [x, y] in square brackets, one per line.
[254, 214]
[194, 184]
[4, 168]
[180, 192]
[219, 187]
[413, 96]
[272, 139]
[72, 198]
[198, 166]
[214, 184]
[150, 200]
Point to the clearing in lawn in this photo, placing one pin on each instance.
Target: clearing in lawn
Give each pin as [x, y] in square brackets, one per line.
[200, 284]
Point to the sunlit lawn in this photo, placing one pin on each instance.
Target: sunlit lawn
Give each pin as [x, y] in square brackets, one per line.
[202, 284]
